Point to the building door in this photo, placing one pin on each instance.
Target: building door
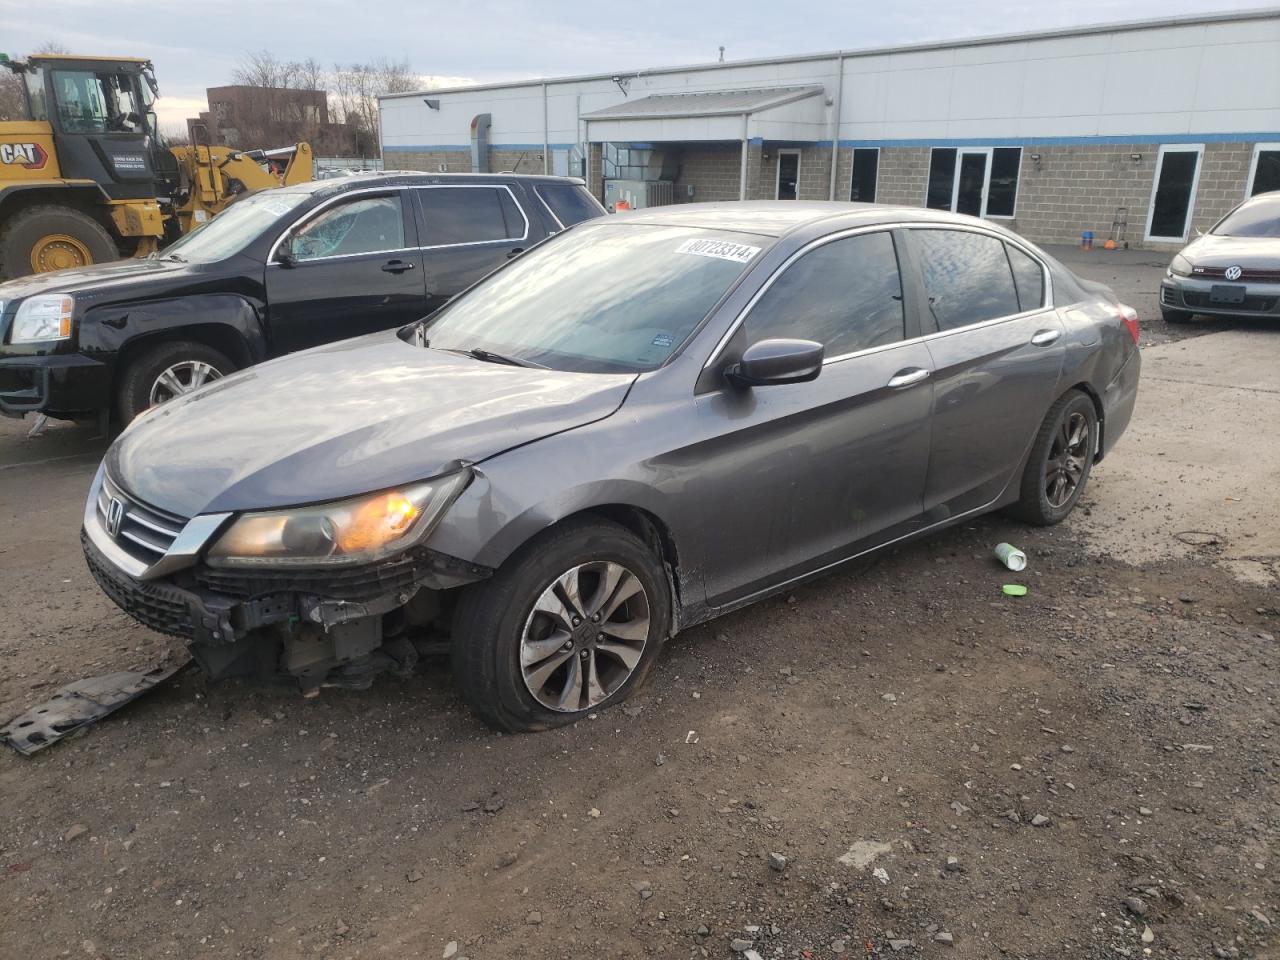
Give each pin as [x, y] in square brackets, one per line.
[971, 182]
[1173, 192]
[788, 185]
[866, 172]
[1264, 172]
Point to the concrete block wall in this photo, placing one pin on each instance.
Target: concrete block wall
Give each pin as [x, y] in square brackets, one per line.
[459, 161]
[713, 170]
[1080, 187]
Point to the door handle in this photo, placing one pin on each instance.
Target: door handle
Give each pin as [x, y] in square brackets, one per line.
[515, 253]
[1043, 338]
[397, 266]
[905, 378]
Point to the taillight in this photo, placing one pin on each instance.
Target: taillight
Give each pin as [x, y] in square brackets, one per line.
[1130, 318]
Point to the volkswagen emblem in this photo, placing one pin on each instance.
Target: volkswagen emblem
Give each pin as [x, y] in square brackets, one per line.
[1232, 273]
[115, 513]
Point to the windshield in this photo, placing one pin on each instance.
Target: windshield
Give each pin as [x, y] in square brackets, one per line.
[1259, 217]
[235, 227]
[601, 298]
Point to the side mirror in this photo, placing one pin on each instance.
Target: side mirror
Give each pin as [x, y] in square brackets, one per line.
[770, 362]
[284, 253]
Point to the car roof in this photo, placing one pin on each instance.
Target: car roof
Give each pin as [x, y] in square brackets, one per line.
[399, 178]
[775, 218]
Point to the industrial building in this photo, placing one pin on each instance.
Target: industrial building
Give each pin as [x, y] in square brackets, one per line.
[1143, 132]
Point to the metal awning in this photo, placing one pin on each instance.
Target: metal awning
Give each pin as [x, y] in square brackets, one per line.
[716, 103]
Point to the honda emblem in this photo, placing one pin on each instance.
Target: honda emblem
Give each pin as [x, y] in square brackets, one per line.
[115, 514]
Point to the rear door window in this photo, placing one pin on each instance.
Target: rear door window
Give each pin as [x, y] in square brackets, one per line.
[568, 202]
[846, 295]
[967, 278]
[1028, 276]
[453, 215]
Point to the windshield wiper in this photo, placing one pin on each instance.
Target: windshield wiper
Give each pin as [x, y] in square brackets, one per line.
[488, 356]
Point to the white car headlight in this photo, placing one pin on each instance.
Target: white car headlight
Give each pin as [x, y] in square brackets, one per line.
[345, 531]
[46, 317]
[1179, 266]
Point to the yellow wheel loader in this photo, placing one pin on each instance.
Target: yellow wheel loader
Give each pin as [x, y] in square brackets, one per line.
[86, 179]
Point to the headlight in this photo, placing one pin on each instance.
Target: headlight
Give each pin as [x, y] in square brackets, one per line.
[345, 531]
[47, 317]
[1180, 266]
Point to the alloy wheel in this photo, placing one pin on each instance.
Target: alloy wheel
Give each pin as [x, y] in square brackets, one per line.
[585, 636]
[1068, 457]
[180, 378]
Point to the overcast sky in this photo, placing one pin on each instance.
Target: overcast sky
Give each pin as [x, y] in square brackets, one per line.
[198, 45]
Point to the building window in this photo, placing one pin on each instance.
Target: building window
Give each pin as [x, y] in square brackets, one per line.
[788, 185]
[979, 181]
[866, 173]
[1264, 171]
[1173, 191]
[942, 173]
[1002, 193]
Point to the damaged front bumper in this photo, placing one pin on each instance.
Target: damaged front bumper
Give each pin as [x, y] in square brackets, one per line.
[304, 623]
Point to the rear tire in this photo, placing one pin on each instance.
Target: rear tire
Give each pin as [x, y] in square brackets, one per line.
[184, 360]
[514, 656]
[1175, 316]
[1060, 461]
[53, 237]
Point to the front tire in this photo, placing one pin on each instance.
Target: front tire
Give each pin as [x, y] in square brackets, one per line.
[51, 237]
[570, 624]
[1060, 462]
[168, 370]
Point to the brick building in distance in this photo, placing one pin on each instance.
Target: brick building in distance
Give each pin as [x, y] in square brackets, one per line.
[1142, 131]
[251, 118]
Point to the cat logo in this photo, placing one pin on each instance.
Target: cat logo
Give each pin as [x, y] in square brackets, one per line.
[32, 156]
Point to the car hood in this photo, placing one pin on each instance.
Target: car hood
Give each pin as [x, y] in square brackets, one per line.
[345, 419]
[80, 279]
[1259, 253]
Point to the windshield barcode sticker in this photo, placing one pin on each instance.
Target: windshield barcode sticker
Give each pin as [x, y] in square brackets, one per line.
[720, 249]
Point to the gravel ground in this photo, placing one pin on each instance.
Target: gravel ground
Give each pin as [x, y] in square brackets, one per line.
[896, 760]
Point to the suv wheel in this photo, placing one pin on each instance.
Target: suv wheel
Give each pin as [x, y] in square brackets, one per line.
[1060, 462]
[570, 624]
[166, 371]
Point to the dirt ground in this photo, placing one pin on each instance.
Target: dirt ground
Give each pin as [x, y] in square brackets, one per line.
[1090, 771]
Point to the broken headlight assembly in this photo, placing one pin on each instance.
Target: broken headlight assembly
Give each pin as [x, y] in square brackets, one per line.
[358, 530]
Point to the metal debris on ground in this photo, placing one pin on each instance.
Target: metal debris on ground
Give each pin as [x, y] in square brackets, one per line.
[1011, 556]
[79, 704]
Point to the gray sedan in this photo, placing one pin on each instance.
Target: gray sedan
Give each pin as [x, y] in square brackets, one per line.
[632, 428]
[1233, 270]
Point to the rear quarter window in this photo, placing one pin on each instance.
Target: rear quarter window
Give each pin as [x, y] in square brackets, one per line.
[569, 202]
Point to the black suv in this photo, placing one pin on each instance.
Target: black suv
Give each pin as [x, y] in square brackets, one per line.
[276, 272]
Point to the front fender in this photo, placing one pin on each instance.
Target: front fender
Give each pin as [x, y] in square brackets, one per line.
[111, 328]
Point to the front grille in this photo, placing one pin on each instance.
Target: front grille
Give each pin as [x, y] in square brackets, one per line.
[364, 582]
[1251, 303]
[144, 532]
[152, 604]
[1247, 274]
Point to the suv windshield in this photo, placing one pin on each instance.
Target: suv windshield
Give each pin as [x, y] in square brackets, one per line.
[601, 298]
[1253, 218]
[235, 227]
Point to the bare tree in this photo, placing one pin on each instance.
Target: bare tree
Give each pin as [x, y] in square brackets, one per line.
[13, 105]
[357, 87]
[285, 101]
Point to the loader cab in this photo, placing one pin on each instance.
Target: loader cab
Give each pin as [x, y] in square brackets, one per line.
[101, 113]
